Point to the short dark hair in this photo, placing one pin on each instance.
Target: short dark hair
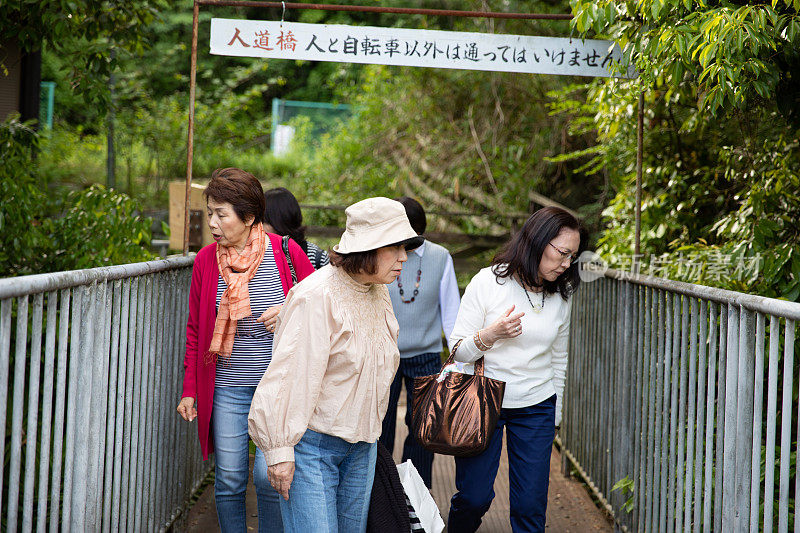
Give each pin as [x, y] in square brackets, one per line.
[283, 213]
[415, 213]
[356, 262]
[521, 256]
[240, 189]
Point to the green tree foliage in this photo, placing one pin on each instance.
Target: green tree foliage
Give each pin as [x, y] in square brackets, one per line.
[457, 140]
[23, 203]
[44, 233]
[82, 33]
[153, 62]
[731, 52]
[721, 153]
[234, 96]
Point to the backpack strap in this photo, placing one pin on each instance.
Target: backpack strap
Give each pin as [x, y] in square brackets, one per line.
[285, 246]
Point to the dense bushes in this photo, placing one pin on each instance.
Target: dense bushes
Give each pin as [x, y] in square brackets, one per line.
[151, 150]
[48, 230]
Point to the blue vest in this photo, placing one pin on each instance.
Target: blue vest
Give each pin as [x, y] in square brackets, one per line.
[421, 320]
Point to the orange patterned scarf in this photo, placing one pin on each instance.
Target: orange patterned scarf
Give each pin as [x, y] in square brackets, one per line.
[237, 269]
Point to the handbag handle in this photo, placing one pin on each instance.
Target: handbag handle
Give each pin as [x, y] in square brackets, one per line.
[451, 358]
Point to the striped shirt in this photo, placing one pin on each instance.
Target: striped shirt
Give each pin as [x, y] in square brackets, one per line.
[252, 346]
[318, 257]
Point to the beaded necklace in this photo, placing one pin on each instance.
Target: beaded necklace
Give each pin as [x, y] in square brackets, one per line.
[535, 308]
[416, 285]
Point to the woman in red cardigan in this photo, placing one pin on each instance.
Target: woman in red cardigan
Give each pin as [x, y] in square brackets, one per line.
[238, 286]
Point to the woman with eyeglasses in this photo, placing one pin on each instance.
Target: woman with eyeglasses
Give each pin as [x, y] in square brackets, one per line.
[516, 315]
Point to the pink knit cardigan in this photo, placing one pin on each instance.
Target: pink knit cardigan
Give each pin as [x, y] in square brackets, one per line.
[199, 367]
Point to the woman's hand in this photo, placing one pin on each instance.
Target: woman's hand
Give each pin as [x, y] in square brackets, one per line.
[186, 409]
[270, 317]
[280, 477]
[507, 326]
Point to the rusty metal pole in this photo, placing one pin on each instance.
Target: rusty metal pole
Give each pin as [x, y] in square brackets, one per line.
[190, 142]
[384, 9]
[639, 152]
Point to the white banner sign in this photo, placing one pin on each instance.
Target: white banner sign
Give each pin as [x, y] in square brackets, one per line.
[413, 48]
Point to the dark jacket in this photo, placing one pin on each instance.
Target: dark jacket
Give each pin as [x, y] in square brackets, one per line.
[388, 511]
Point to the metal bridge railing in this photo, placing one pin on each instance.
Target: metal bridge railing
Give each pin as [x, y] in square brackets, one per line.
[686, 396]
[89, 392]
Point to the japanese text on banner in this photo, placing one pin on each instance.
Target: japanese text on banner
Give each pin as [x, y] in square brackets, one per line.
[416, 48]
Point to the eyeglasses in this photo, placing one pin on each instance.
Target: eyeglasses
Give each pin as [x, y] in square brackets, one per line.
[565, 254]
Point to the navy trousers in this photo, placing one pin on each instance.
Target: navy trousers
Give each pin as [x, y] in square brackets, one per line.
[410, 367]
[531, 431]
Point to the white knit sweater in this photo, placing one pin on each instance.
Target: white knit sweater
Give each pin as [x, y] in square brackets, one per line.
[534, 364]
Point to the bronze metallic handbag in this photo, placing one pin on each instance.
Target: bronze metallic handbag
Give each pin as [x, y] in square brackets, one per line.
[457, 415]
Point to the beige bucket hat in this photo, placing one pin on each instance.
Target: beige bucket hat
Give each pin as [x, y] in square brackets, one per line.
[374, 223]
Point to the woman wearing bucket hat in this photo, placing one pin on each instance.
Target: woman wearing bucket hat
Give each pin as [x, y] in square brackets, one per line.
[317, 413]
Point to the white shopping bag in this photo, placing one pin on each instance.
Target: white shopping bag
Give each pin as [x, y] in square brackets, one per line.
[420, 498]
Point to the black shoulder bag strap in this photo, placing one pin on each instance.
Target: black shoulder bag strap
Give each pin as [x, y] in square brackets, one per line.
[285, 246]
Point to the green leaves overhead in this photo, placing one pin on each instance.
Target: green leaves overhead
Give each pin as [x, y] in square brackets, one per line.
[732, 51]
[721, 156]
[83, 32]
[45, 232]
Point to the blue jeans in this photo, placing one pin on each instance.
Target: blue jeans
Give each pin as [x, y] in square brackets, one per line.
[531, 431]
[231, 450]
[332, 485]
[410, 367]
